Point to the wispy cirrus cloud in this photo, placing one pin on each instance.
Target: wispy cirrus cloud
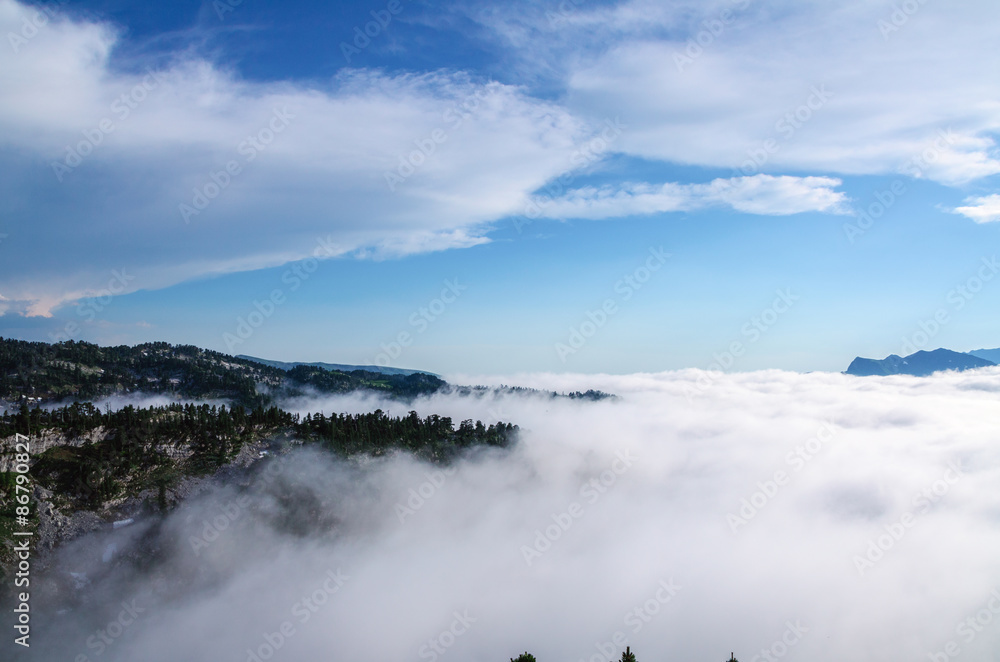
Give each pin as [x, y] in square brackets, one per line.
[706, 83]
[765, 195]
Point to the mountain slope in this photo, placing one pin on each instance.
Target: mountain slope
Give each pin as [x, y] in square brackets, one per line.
[919, 364]
[890, 365]
[83, 371]
[988, 354]
[339, 367]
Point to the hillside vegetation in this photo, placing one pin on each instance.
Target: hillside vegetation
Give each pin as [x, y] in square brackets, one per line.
[82, 371]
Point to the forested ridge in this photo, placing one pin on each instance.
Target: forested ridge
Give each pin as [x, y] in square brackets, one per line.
[141, 448]
[92, 457]
[84, 371]
[142, 454]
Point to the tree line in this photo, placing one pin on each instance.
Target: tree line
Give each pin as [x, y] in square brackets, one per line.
[627, 656]
[136, 448]
[84, 371]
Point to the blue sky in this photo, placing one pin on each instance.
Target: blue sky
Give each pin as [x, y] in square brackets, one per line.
[480, 179]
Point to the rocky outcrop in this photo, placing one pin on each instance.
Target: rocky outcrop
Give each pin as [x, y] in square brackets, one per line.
[43, 441]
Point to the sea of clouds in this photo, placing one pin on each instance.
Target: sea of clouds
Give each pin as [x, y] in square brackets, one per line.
[777, 515]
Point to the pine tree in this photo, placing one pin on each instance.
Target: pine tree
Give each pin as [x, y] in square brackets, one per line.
[628, 655]
[524, 657]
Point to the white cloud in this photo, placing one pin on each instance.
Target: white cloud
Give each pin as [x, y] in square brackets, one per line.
[335, 172]
[985, 209]
[665, 517]
[369, 162]
[697, 85]
[759, 194]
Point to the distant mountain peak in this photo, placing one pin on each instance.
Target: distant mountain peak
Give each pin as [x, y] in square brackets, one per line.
[921, 363]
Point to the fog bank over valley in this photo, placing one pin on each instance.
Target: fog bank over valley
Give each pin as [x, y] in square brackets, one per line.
[819, 516]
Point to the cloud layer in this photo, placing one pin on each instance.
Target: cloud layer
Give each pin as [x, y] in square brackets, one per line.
[793, 86]
[186, 170]
[825, 516]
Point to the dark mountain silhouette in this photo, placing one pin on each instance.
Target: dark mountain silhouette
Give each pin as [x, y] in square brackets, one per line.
[919, 364]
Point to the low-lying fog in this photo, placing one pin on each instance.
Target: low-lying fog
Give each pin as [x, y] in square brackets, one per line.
[815, 517]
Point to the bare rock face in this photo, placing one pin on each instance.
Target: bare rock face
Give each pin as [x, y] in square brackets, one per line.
[59, 522]
[56, 527]
[39, 443]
